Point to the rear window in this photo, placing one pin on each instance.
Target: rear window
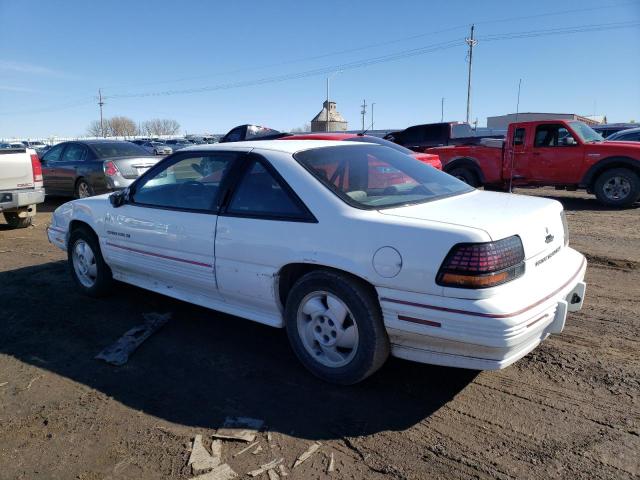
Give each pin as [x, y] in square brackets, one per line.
[381, 141]
[118, 149]
[373, 177]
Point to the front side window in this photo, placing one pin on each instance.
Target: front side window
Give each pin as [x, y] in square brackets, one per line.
[53, 155]
[372, 176]
[553, 136]
[190, 183]
[260, 194]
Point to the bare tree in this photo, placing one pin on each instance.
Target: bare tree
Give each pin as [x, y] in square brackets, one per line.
[121, 127]
[161, 126]
[94, 129]
[303, 129]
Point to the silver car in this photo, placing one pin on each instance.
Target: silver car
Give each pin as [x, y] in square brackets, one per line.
[157, 148]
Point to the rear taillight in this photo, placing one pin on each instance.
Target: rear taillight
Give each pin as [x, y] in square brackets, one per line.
[110, 169]
[565, 228]
[482, 265]
[36, 168]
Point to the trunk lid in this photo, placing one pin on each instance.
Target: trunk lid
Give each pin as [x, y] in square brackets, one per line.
[133, 167]
[538, 221]
[15, 169]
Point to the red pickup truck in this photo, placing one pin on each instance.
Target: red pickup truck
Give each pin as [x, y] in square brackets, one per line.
[565, 154]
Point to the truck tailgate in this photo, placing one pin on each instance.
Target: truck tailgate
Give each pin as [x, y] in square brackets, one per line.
[15, 170]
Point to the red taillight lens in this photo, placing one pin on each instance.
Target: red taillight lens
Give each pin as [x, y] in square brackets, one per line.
[482, 265]
[36, 168]
[110, 169]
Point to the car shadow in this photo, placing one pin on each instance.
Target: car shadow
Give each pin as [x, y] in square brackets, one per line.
[203, 365]
[51, 203]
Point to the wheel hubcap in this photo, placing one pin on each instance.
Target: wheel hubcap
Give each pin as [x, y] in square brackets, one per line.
[327, 329]
[83, 190]
[84, 263]
[617, 188]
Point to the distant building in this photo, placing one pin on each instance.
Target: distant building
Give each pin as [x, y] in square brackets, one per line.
[503, 121]
[329, 119]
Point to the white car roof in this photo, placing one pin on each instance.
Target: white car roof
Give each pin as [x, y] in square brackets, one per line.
[286, 146]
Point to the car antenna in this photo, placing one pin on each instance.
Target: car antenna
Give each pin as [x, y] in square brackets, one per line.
[513, 153]
[363, 133]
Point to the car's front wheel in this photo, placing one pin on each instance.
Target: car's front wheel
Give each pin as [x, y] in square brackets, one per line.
[335, 327]
[88, 269]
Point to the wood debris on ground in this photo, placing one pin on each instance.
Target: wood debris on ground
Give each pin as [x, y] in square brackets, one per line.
[267, 466]
[119, 352]
[3, 384]
[273, 475]
[307, 454]
[221, 472]
[245, 449]
[332, 464]
[283, 470]
[239, 428]
[257, 450]
[200, 459]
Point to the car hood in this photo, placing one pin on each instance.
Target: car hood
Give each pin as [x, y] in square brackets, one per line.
[500, 215]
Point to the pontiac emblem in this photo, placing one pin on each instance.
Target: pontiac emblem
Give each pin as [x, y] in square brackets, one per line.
[549, 237]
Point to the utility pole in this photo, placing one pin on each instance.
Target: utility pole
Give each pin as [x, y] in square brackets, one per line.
[363, 112]
[101, 103]
[371, 127]
[472, 43]
[442, 110]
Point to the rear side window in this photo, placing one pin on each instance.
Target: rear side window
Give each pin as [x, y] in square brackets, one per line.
[518, 136]
[260, 194]
[74, 153]
[373, 177]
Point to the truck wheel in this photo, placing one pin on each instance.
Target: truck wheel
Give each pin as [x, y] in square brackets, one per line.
[334, 324]
[88, 269]
[16, 221]
[618, 187]
[467, 176]
[83, 189]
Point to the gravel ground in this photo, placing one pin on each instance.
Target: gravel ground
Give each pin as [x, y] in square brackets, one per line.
[570, 409]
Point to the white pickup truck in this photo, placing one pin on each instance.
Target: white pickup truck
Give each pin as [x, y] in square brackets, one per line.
[21, 187]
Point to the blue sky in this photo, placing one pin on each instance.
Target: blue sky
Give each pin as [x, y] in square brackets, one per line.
[54, 56]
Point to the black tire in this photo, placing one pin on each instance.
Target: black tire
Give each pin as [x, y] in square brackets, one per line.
[16, 221]
[104, 278]
[497, 188]
[466, 175]
[608, 194]
[81, 184]
[373, 343]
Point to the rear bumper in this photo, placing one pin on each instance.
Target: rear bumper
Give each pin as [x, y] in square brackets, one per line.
[479, 334]
[11, 199]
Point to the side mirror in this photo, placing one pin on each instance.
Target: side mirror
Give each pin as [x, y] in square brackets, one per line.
[568, 141]
[117, 199]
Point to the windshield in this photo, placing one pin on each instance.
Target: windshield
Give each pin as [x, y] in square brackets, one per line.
[118, 149]
[381, 141]
[585, 132]
[373, 176]
[255, 131]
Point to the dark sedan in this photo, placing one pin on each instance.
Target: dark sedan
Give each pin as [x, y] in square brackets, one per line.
[91, 167]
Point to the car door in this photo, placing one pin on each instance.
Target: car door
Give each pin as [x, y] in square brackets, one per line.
[50, 161]
[253, 228]
[71, 161]
[556, 156]
[163, 236]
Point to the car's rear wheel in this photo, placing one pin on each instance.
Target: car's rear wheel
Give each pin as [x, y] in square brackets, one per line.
[618, 187]
[88, 269]
[335, 327]
[466, 175]
[83, 189]
[16, 221]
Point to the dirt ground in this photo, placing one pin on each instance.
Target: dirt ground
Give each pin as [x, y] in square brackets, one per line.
[570, 409]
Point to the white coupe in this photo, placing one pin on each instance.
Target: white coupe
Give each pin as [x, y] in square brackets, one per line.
[359, 251]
